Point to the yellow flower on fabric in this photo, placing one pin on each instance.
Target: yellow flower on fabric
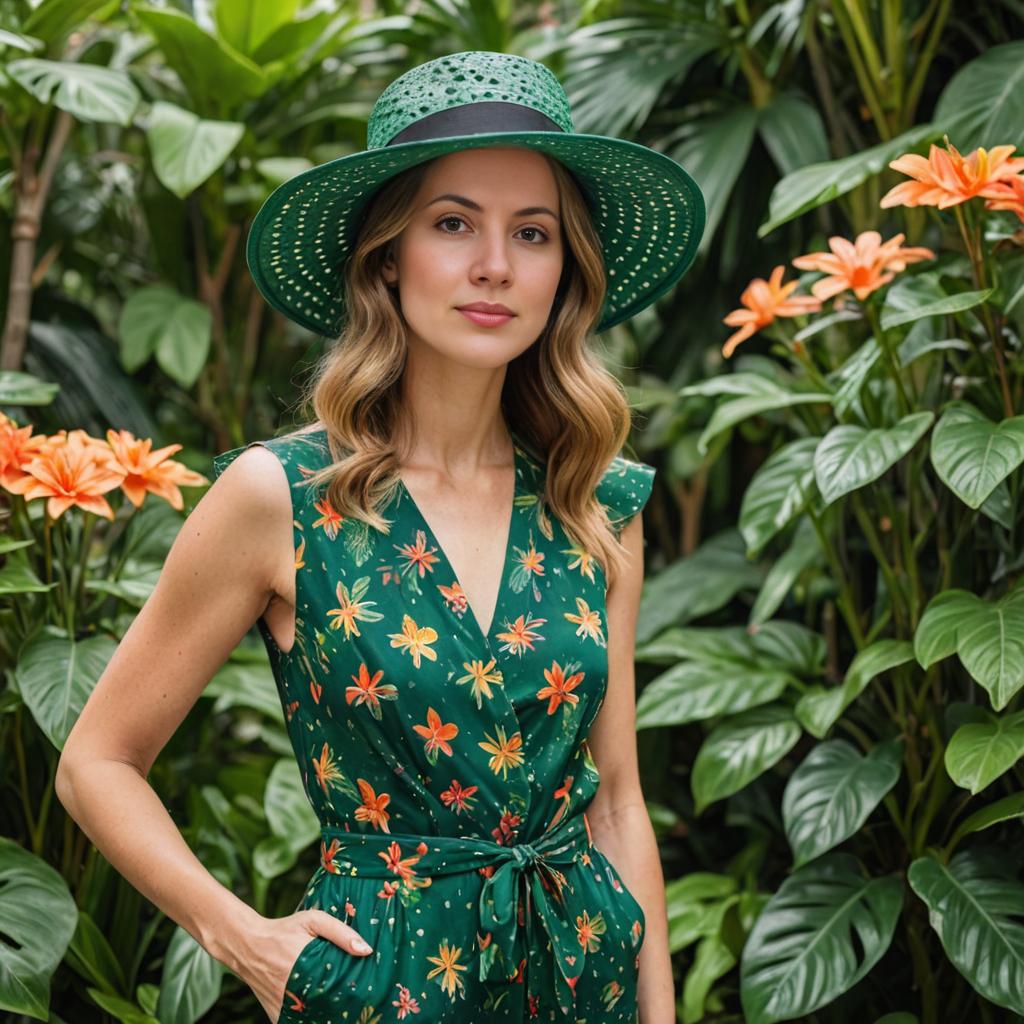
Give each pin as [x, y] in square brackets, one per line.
[507, 753]
[415, 640]
[481, 676]
[589, 622]
[447, 965]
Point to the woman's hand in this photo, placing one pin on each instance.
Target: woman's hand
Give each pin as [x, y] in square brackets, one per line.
[271, 954]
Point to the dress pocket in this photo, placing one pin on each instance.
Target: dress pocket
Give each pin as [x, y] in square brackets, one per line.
[625, 902]
[296, 986]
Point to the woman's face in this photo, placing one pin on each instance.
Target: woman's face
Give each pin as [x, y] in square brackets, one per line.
[484, 228]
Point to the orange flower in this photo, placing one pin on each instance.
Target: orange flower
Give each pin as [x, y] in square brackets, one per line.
[863, 265]
[149, 471]
[18, 446]
[946, 178]
[1003, 195]
[69, 472]
[764, 301]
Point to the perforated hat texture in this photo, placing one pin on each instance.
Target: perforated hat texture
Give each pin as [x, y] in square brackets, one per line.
[647, 210]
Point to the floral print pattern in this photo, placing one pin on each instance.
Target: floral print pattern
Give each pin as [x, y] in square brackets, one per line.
[450, 767]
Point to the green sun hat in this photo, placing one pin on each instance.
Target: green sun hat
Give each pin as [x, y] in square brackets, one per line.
[647, 210]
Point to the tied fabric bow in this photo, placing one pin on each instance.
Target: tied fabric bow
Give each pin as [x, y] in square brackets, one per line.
[529, 866]
[537, 864]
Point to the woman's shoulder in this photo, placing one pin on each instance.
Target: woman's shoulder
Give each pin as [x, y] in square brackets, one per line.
[624, 488]
[300, 447]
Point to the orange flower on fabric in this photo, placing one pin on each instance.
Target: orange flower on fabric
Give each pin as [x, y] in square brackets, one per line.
[764, 301]
[946, 178]
[863, 265]
[1003, 195]
[147, 471]
[69, 473]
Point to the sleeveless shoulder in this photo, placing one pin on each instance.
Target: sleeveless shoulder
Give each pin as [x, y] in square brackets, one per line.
[300, 453]
[624, 489]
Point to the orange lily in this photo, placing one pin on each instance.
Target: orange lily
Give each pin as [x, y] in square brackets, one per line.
[69, 473]
[863, 265]
[946, 178]
[764, 302]
[1007, 195]
[18, 446]
[149, 471]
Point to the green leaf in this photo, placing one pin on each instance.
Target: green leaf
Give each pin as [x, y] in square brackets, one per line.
[31, 894]
[978, 753]
[801, 954]
[17, 388]
[712, 960]
[793, 132]
[216, 76]
[739, 750]
[833, 792]
[696, 585]
[975, 905]
[186, 149]
[778, 492]
[1009, 807]
[767, 397]
[714, 152]
[246, 24]
[190, 982]
[695, 904]
[937, 307]
[973, 455]
[819, 708]
[156, 320]
[811, 187]
[17, 41]
[55, 677]
[987, 636]
[695, 690]
[287, 806]
[983, 103]
[803, 553]
[86, 91]
[849, 457]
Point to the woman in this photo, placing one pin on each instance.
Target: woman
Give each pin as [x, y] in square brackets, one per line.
[445, 567]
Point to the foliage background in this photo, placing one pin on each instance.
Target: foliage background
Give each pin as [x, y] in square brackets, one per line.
[130, 167]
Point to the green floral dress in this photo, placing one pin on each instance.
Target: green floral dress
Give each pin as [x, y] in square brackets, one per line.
[450, 769]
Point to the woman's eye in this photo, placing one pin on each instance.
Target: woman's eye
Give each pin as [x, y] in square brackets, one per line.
[453, 219]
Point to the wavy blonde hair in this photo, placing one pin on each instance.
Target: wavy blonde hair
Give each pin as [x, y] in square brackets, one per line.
[570, 412]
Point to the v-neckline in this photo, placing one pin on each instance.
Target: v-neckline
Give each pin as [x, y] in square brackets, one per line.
[517, 467]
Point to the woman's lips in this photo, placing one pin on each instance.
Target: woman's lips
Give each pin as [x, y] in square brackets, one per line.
[486, 319]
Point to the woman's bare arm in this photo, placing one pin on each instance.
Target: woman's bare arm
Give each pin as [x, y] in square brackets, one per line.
[217, 580]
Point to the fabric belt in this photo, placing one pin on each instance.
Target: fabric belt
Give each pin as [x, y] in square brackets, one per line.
[410, 861]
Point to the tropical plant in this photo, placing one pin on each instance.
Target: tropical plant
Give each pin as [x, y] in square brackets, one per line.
[887, 724]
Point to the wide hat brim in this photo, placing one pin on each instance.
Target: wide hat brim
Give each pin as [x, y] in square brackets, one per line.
[647, 210]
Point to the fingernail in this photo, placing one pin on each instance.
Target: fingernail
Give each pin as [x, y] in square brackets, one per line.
[363, 947]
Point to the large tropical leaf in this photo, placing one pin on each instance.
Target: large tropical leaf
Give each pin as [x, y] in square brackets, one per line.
[39, 917]
[978, 753]
[778, 492]
[753, 394]
[975, 904]
[849, 457]
[983, 103]
[86, 91]
[697, 585]
[811, 187]
[973, 455]
[819, 708]
[987, 636]
[55, 676]
[833, 792]
[740, 749]
[186, 149]
[825, 928]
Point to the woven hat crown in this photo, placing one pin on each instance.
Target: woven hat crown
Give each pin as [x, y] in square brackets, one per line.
[475, 76]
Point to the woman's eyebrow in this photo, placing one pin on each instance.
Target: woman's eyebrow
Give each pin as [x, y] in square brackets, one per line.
[527, 211]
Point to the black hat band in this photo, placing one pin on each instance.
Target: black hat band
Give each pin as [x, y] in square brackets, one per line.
[476, 119]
